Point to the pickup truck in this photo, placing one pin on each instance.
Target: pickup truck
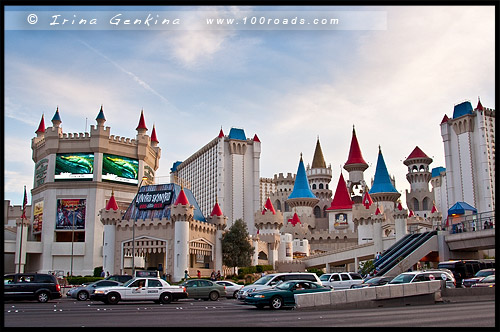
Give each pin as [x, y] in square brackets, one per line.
[141, 289]
[342, 280]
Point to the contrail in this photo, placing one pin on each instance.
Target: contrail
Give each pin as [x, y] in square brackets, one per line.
[134, 77]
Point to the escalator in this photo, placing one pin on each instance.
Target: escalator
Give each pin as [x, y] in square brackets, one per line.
[404, 249]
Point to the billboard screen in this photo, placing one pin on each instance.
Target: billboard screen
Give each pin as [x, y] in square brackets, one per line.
[73, 166]
[70, 214]
[37, 218]
[120, 169]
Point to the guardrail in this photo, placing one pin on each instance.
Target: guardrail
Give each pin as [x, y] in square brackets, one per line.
[470, 223]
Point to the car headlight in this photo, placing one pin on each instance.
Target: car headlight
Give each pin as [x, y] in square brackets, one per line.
[99, 292]
[259, 296]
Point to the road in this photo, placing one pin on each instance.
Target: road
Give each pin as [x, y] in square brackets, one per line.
[71, 313]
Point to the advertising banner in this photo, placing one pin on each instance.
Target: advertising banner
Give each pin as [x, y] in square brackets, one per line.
[154, 199]
[37, 217]
[70, 214]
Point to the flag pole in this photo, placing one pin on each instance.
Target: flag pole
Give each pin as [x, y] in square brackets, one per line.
[23, 216]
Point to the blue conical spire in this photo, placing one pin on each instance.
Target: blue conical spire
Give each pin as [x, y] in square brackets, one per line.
[100, 116]
[301, 188]
[56, 116]
[382, 182]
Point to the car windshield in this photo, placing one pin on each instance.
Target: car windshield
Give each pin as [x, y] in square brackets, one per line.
[285, 285]
[372, 281]
[324, 277]
[483, 273]
[128, 282]
[402, 279]
[488, 279]
[263, 280]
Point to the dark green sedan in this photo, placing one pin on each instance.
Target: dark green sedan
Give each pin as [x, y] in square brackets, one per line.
[283, 294]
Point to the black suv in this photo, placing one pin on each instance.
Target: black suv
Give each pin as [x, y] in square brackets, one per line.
[31, 286]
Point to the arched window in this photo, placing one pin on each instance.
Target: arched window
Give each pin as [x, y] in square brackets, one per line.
[425, 204]
[277, 204]
[414, 169]
[287, 207]
[317, 212]
[415, 205]
[321, 186]
[262, 255]
[314, 186]
[324, 211]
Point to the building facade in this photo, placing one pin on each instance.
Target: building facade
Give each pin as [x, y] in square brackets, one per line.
[75, 174]
[227, 171]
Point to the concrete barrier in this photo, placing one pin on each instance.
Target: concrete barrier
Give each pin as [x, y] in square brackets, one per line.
[398, 294]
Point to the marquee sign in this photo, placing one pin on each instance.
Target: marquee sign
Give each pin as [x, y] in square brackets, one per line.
[152, 200]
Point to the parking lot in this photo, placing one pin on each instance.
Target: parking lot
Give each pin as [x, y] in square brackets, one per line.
[68, 312]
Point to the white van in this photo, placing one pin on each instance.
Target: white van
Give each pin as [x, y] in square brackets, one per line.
[343, 280]
[271, 280]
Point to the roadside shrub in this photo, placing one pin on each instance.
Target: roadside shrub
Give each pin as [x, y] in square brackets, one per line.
[81, 280]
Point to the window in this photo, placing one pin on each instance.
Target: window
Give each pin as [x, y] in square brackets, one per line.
[205, 283]
[335, 277]
[345, 276]
[154, 283]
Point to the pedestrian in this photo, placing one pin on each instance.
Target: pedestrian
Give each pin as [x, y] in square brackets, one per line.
[107, 274]
[199, 274]
[103, 274]
[212, 276]
[219, 277]
[186, 275]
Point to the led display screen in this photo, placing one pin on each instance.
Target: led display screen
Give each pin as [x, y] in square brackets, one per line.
[73, 166]
[120, 169]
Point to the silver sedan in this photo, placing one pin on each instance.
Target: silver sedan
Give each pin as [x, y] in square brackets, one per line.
[83, 292]
[231, 288]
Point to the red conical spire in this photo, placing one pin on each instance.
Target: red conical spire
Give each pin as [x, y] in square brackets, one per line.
[434, 209]
[256, 138]
[377, 212]
[367, 200]
[41, 126]
[341, 200]
[221, 133]
[355, 156]
[400, 207]
[216, 211]
[295, 220]
[112, 202]
[445, 119]
[182, 198]
[479, 105]
[411, 214]
[268, 207]
[142, 123]
[153, 135]
[417, 153]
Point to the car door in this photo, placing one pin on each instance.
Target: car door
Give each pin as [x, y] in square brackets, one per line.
[205, 287]
[192, 288]
[335, 281]
[345, 281]
[154, 289]
[10, 286]
[136, 290]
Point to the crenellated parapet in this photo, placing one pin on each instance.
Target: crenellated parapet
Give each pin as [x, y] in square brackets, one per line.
[202, 227]
[182, 212]
[156, 223]
[111, 217]
[268, 220]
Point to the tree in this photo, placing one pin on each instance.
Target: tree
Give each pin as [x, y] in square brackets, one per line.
[236, 247]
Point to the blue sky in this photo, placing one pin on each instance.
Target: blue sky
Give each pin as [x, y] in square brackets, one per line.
[287, 86]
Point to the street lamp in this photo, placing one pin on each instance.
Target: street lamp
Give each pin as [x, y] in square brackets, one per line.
[133, 229]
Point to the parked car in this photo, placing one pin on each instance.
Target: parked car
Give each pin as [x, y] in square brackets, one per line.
[488, 281]
[283, 294]
[204, 289]
[375, 281]
[231, 288]
[31, 286]
[478, 277]
[429, 275]
[343, 280]
[123, 278]
[83, 292]
[274, 279]
[140, 289]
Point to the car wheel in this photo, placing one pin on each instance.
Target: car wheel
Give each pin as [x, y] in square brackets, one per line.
[213, 296]
[235, 294]
[276, 303]
[82, 296]
[43, 297]
[166, 298]
[113, 298]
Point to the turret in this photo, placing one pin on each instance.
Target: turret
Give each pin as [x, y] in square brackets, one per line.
[181, 214]
[355, 165]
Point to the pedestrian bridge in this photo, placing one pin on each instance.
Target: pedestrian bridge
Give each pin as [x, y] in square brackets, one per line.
[442, 243]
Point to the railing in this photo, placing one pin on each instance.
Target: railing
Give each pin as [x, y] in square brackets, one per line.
[471, 223]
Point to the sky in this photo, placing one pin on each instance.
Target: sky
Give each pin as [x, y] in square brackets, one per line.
[394, 79]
